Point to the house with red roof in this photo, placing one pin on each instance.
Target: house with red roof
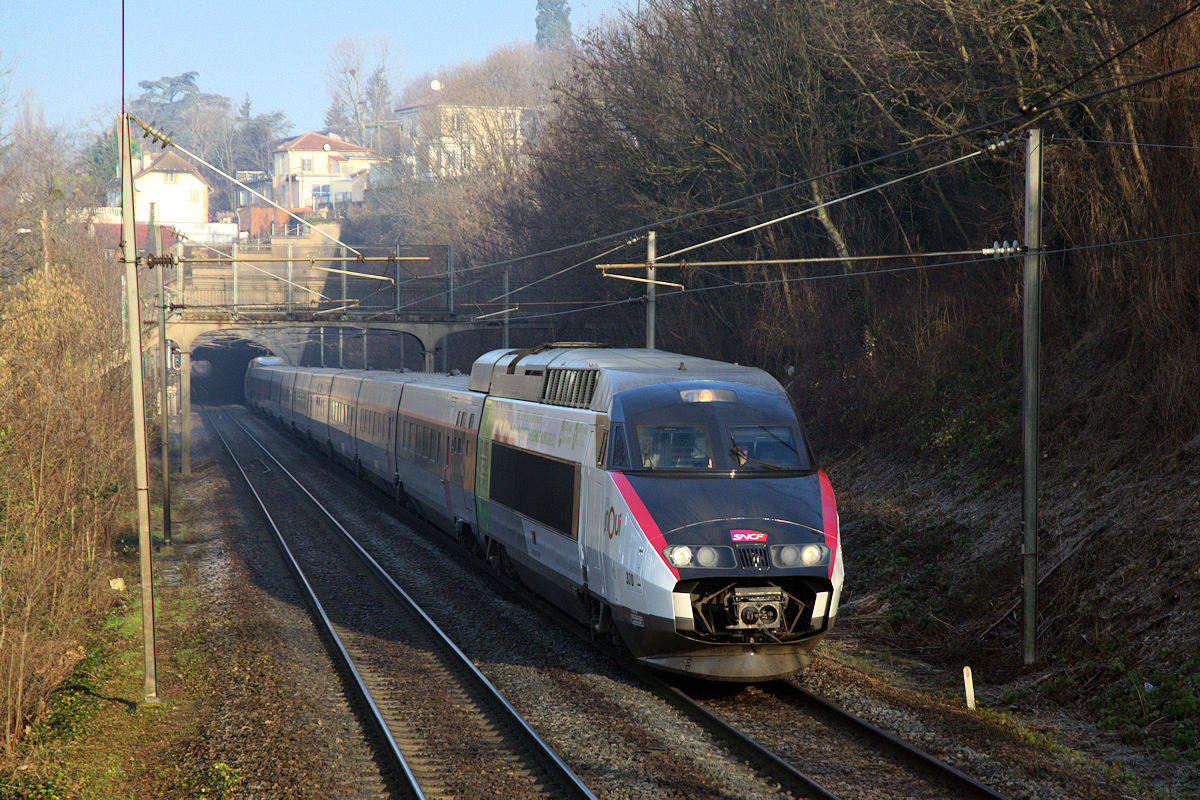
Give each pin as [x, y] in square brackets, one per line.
[315, 170]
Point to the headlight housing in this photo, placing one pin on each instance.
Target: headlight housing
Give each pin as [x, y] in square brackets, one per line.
[799, 556]
[699, 556]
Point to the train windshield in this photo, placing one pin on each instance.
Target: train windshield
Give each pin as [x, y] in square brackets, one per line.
[674, 447]
[764, 447]
[756, 435]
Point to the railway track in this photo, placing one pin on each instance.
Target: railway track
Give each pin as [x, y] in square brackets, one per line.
[438, 722]
[801, 727]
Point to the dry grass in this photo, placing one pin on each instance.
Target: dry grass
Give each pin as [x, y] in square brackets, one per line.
[63, 465]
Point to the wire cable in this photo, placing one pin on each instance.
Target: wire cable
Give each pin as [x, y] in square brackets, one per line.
[1137, 43]
[1061, 140]
[1027, 116]
[556, 274]
[866, 273]
[826, 204]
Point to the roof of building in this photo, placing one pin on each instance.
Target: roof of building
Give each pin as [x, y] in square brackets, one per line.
[108, 234]
[318, 141]
[171, 161]
[437, 101]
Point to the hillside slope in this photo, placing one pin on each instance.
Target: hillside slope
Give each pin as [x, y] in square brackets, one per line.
[933, 570]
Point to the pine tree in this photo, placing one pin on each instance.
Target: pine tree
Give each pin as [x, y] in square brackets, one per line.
[553, 23]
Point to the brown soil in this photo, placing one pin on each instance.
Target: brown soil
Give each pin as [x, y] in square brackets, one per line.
[933, 577]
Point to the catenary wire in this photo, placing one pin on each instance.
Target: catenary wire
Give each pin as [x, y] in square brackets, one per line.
[1149, 145]
[1136, 43]
[1027, 118]
[167, 140]
[865, 273]
[1037, 113]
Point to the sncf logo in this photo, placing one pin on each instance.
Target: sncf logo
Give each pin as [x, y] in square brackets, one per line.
[748, 536]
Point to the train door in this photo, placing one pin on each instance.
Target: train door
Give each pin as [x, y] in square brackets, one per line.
[456, 472]
[598, 523]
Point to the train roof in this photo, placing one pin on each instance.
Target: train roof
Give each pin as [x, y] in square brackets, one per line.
[587, 376]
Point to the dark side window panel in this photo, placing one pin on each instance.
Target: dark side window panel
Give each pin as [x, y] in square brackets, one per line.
[537, 487]
[620, 452]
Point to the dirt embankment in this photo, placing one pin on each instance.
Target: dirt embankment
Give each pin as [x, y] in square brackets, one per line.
[933, 565]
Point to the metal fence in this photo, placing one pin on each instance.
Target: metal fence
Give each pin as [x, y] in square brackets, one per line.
[313, 280]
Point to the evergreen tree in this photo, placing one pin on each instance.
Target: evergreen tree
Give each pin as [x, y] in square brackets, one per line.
[553, 23]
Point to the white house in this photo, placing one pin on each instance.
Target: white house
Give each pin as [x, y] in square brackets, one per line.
[173, 186]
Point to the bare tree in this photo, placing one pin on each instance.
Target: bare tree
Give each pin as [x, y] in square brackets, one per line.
[63, 421]
[359, 80]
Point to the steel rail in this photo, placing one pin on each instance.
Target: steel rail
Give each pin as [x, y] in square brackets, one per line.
[953, 777]
[794, 780]
[393, 748]
[562, 774]
[754, 751]
[788, 777]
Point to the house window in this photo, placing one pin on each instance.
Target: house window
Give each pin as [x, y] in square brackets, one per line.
[335, 168]
[170, 177]
[306, 165]
[194, 196]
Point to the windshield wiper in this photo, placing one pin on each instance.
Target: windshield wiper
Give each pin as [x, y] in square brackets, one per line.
[741, 457]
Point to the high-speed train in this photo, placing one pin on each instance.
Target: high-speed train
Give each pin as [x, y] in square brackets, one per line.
[670, 500]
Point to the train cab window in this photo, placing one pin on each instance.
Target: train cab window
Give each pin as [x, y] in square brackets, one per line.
[674, 447]
[618, 456]
[764, 447]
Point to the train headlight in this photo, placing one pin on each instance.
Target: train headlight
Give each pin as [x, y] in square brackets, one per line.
[680, 555]
[787, 556]
[699, 556]
[791, 556]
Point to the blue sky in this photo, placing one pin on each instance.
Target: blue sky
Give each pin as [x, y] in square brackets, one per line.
[68, 54]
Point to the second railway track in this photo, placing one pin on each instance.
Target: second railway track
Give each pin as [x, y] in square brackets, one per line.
[448, 733]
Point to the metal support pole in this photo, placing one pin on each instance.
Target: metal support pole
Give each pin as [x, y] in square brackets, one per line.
[450, 279]
[164, 412]
[341, 347]
[46, 241]
[233, 264]
[322, 345]
[505, 317]
[651, 295]
[179, 273]
[397, 285]
[345, 292]
[289, 276]
[1030, 399]
[141, 462]
[185, 413]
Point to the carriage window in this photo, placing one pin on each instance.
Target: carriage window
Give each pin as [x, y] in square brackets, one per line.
[674, 447]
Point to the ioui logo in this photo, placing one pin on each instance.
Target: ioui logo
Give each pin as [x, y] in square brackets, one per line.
[748, 536]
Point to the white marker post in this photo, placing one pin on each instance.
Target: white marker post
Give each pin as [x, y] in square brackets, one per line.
[969, 685]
